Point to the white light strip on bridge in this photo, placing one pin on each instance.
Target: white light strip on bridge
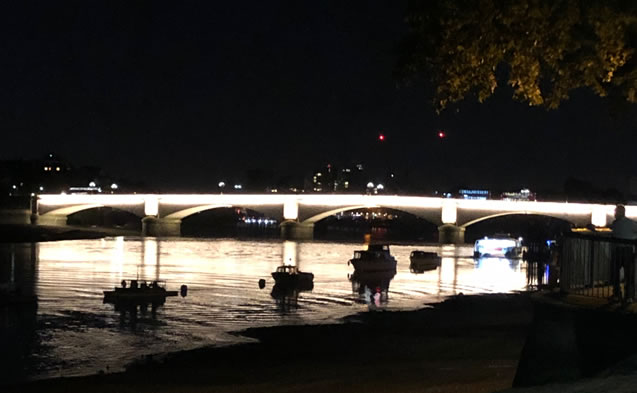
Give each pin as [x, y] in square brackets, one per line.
[331, 200]
[370, 200]
[82, 199]
[225, 199]
[533, 207]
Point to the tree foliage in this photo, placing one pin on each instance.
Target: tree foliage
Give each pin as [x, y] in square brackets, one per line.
[543, 49]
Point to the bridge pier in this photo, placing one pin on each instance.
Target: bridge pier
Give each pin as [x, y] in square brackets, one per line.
[294, 230]
[49, 219]
[450, 234]
[161, 227]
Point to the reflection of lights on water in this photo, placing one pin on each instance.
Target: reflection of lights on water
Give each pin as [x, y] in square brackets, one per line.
[12, 279]
[117, 258]
[150, 249]
[290, 252]
[447, 271]
[448, 251]
[499, 274]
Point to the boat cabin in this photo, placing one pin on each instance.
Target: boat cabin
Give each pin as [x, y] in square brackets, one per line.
[143, 284]
[374, 251]
[422, 254]
[378, 247]
[289, 269]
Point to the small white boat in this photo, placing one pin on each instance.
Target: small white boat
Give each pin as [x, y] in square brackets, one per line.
[421, 261]
[291, 277]
[498, 246]
[376, 258]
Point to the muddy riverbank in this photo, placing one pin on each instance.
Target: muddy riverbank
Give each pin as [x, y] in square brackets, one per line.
[464, 344]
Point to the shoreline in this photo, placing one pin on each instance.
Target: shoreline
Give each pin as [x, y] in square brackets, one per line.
[465, 343]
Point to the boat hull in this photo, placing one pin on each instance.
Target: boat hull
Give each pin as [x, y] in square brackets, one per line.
[301, 281]
[137, 296]
[422, 264]
[380, 265]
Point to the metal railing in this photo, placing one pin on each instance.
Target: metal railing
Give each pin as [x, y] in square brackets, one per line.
[597, 266]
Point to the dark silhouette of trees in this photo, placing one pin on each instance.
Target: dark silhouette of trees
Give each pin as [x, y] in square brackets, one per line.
[543, 49]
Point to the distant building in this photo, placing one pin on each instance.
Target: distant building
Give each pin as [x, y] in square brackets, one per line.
[318, 181]
[348, 179]
[474, 194]
[54, 175]
[524, 195]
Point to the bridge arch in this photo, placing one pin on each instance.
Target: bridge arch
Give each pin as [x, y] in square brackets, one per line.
[318, 217]
[181, 214]
[68, 210]
[512, 213]
[61, 215]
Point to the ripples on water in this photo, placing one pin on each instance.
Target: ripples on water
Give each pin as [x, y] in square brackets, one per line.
[74, 333]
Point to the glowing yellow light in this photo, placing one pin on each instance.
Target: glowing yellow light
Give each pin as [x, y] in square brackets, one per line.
[598, 216]
[291, 209]
[151, 206]
[449, 212]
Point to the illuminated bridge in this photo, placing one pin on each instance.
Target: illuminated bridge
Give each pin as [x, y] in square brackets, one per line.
[162, 215]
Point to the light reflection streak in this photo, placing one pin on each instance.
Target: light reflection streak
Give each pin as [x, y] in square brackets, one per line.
[448, 273]
[150, 258]
[499, 274]
[12, 274]
[290, 253]
[117, 258]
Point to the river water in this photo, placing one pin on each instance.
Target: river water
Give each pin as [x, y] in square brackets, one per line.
[72, 332]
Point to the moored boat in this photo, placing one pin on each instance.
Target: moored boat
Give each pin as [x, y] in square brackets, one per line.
[288, 276]
[421, 261]
[139, 291]
[375, 258]
[502, 246]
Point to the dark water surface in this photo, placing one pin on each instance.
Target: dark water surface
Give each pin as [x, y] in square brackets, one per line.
[72, 332]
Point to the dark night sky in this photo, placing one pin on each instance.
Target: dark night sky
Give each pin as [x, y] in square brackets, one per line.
[183, 95]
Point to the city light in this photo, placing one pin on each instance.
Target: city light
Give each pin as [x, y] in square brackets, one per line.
[442, 134]
[114, 186]
[381, 137]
